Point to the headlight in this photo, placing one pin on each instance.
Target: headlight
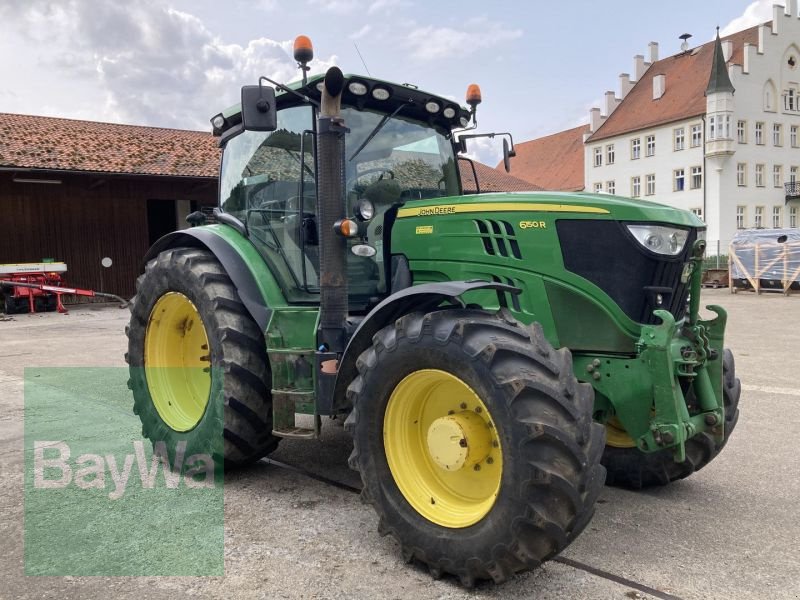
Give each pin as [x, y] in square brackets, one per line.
[660, 239]
[365, 209]
[357, 88]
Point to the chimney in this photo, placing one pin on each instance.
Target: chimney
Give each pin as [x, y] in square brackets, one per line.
[638, 67]
[625, 84]
[749, 51]
[611, 103]
[777, 12]
[653, 48]
[659, 86]
[594, 119]
[727, 49]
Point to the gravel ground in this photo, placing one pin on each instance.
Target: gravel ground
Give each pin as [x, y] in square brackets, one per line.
[727, 532]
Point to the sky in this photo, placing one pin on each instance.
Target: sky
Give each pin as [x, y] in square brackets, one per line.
[541, 64]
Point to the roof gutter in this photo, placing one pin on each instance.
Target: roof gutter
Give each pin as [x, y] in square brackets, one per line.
[35, 171]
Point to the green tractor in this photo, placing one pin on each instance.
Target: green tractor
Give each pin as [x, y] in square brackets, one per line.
[497, 357]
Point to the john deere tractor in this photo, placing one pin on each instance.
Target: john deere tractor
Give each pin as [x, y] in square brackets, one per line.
[497, 357]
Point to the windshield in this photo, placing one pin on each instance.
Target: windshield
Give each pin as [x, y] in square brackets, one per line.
[416, 158]
[267, 182]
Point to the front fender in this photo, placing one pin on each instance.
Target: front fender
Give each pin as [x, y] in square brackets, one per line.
[424, 298]
[248, 272]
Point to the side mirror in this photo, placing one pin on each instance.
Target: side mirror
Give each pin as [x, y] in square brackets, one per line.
[506, 156]
[258, 108]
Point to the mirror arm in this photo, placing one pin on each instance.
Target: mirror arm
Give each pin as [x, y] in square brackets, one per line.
[282, 87]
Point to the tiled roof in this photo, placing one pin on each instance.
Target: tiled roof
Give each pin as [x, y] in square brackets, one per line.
[553, 162]
[687, 76]
[492, 180]
[66, 144]
[32, 142]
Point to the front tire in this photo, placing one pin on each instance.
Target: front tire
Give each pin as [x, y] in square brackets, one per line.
[634, 469]
[199, 371]
[475, 442]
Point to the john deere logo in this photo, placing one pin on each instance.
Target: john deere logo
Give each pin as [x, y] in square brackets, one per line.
[532, 225]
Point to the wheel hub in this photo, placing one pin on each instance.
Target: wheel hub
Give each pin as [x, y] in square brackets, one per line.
[443, 448]
[458, 441]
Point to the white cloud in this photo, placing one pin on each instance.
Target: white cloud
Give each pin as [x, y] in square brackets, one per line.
[485, 150]
[756, 13]
[386, 5]
[436, 43]
[356, 35]
[152, 65]
[339, 7]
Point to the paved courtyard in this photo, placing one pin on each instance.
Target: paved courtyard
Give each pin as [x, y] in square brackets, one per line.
[729, 531]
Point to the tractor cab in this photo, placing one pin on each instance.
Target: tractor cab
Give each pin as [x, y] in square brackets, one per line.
[399, 146]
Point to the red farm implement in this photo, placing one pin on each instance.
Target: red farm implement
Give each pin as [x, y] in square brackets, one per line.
[39, 287]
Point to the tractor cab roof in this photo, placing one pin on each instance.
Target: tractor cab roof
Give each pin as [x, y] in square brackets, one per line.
[367, 93]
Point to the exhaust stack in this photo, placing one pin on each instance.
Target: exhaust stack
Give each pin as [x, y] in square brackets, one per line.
[331, 208]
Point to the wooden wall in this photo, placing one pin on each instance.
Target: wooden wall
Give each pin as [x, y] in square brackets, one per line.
[86, 218]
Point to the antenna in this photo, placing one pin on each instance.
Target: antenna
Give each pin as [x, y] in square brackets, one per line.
[685, 44]
[362, 59]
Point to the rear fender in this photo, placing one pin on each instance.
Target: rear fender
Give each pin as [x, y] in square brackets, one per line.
[239, 268]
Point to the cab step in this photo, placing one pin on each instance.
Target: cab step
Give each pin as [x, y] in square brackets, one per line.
[285, 406]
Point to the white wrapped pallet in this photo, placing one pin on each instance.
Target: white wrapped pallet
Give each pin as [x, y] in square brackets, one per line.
[765, 259]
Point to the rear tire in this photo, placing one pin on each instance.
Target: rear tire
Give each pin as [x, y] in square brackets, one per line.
[239, 404]
[633, 469]
[549, 446]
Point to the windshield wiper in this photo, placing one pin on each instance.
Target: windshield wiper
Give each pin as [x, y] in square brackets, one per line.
[375, 131]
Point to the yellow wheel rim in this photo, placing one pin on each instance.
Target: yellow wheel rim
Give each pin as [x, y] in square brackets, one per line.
[176, 360]
[443, 449]
[616, 436]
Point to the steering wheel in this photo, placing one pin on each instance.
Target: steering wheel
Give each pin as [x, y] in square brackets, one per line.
[376, 170]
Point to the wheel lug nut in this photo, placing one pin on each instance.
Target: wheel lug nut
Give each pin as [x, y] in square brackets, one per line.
[463, 405]
[495, 444]
[451, 412]
[489, 461]
[478, 409]
[477, 467]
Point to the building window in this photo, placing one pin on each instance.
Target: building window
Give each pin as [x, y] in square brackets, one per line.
[740, 217]
[636, 148]
[793, 136]
[777, 134]
[759, 175]
[610, 154]
[776, 217]
[697, 135]
[719, 127]
[636, 187]
[777, 175]
[698, 212]
[649, 185]
[741, 174]
[760, 133]
[793, 217]
[678, 137]
[598, 187]
[611, 187]
[598, 157]
[697, 178]
[790, 100]
[650, 145]
[759, 222]
[678, 180]
[741, 132]
[792, 174]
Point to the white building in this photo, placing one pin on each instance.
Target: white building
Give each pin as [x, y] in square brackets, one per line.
[713, 129]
